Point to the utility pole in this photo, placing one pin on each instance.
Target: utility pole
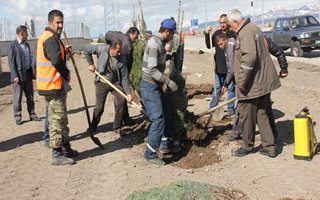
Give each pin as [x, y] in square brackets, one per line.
[206, 13]
[109, 19]
[319, 9]
[192, 5]
[179, 12]
[263, 13]
[254, 12]
[74, 19]
[105, 17]
[4, 29]
[31, 30]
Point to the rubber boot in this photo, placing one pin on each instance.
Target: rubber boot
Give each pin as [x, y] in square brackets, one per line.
[68, 152]
[59, 159]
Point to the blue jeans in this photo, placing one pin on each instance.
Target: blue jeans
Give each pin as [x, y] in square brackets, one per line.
[155, 103]
[231, 92]
[46, 136]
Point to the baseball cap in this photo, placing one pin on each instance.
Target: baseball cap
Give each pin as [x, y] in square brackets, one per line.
[169, 24]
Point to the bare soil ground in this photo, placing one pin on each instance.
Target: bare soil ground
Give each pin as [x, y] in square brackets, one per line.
[120, 169]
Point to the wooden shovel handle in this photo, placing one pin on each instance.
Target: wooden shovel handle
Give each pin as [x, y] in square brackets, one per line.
[216, 107]
[119, 91]
[212, 63]
[79, 80]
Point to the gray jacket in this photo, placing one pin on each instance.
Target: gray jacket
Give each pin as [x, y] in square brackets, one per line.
[16, 62]
[254, 71]
[154, 61]
[102, 52]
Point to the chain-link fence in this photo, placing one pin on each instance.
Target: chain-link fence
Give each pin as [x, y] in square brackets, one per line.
[37, 26]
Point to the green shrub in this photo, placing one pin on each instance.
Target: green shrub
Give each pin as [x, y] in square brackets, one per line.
[136, 71]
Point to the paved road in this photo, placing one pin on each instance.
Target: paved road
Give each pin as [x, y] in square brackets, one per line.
[195, 43]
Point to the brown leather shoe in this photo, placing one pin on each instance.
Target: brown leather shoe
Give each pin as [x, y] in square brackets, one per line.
[241, 152]
[267, 153]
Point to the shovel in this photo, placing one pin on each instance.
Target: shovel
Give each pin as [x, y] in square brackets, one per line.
[120, 92]
[216, 108]
[213, 66]
[94, 139]
[218, 114]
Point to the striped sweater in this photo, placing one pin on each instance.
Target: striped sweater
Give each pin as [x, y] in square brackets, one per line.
[154, 61]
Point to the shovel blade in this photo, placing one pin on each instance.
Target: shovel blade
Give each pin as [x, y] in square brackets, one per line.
[97, 142]
[218, 114]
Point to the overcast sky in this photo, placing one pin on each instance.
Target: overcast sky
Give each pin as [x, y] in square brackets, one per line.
[91, 12]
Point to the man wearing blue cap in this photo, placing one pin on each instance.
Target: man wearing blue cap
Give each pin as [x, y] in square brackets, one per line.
[154, 99]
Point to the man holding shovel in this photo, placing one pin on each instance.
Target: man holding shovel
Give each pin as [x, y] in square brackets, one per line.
[227, 45]
[127, 48]
[111, 66]
[221, 69]
[52, 83]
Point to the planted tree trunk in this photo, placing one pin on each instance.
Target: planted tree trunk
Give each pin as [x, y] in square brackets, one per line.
[177, 101]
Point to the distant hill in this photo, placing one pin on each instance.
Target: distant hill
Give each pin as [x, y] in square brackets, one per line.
[272, 15]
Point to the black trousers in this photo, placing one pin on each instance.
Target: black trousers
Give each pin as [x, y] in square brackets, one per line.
[102, 90]
[18, 89]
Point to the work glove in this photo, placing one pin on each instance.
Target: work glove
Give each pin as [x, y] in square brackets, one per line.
[172, 85]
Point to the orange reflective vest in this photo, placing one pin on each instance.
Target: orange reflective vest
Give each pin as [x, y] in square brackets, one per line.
[49, 80]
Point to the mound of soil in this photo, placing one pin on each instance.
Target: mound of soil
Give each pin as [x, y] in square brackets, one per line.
[199, 91]
[200, 148]
[202, 142]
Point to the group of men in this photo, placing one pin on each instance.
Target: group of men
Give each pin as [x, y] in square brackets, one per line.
[114, 63]
[242, 57]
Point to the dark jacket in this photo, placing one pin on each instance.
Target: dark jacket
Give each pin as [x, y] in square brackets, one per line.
[16, 62]
[228, 52]
[219, 57]
[52, 53]
[102, 52]
[254, 70]
[278, 52]
[126, 48]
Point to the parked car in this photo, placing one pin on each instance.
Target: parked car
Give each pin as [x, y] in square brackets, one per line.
[300, 33]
